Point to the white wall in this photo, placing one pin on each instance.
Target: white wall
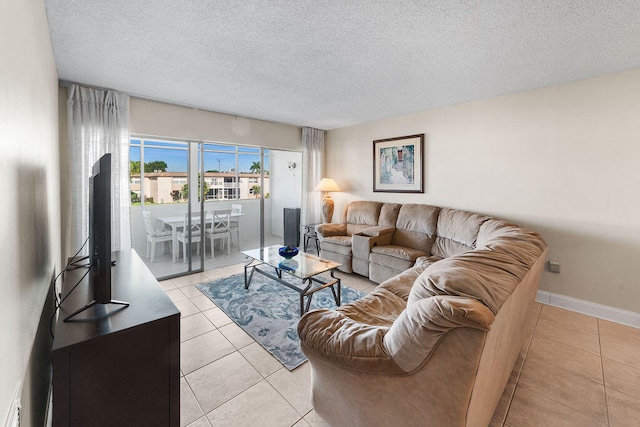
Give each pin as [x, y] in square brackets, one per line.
[563, 160]
[29, 171]
[166, 120]
[286, 186]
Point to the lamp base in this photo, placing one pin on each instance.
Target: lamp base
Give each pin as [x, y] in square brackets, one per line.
[327, 209]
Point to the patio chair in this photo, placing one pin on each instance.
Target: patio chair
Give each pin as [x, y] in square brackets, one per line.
[235, 209]
[183, 236]
[220, 228]
[154, 236]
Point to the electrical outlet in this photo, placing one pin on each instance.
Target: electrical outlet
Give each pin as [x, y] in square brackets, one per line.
[554, 266]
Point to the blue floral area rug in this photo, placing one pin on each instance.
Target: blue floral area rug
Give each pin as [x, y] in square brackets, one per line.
[269, 311]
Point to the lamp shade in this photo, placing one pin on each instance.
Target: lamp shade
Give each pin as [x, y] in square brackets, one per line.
[327, 184]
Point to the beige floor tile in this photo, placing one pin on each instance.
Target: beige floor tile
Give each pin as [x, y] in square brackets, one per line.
[222, 380]
[191, 279]
[503, 405]
[566, 357]
[200, 422]
[618, 331]
[190, 410]
[191, 291]
[236, 335]
[268, 408]
[261, 359]
[203, 302]
[624, 411]
[302, 423]
[176, 295]
[532, 321]
[194, 325]
[561, 386]
[529, 408]
[621, 351]
[295, 386]
[167, 284]
[217, 273]
[621, 377]
[314, 420]
[202, 350]
[217, 317]
[569, 318]
[558, 331]
[186, 307]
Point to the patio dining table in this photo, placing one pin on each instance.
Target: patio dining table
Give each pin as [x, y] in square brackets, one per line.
[176, 222]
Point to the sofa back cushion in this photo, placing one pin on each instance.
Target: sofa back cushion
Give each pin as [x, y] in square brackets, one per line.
[457, 232]
[484, 275]
[416, 227]
[500, 236]
[389, 214]
[360, 215]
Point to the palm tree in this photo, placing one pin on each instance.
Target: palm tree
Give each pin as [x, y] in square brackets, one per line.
[255, 167]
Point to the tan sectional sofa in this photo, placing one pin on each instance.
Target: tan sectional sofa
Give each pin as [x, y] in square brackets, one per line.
[435, 343]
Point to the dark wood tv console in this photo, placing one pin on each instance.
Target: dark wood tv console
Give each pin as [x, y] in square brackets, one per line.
[116, 365]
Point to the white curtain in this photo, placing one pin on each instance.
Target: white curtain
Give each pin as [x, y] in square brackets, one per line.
[98, 123]
[312, 167]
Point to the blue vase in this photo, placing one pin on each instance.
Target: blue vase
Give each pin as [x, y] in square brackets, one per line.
[288, 252]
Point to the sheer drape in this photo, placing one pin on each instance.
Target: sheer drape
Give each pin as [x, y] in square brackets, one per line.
[312, 166]
[98, 123]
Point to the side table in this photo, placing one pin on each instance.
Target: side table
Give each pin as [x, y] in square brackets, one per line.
[309, 236]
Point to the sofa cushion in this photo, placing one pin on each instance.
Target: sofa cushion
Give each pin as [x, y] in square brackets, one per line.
[500, 236]
[416, 227]
[484, 275]
[457, 232]
[417, 331]
[380, 308]
[336, 245]
[345, 343]
[380, 254]
[389, 214]
[400, 284]
[360, 215]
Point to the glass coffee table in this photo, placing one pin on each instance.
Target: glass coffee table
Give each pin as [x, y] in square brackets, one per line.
[306, 267]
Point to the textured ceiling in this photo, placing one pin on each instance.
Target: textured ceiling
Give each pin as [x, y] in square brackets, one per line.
[330, 64]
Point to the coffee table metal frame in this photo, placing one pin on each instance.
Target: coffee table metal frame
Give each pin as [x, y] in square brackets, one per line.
[312, 282]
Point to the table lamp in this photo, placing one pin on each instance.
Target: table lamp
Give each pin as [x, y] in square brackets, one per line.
[325, 185]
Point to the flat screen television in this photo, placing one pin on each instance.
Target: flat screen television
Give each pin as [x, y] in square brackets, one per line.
[100, 230]
[100, 235]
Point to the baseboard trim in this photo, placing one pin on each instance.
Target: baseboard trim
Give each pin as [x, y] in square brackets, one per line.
[590, 308]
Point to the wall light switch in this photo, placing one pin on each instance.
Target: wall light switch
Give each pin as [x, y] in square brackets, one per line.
[554, 266]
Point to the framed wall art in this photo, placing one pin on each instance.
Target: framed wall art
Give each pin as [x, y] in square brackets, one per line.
[397, 164]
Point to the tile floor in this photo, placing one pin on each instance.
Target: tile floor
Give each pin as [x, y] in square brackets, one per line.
[573, 370]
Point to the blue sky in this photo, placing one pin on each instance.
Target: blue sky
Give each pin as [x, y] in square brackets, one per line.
[177, 159]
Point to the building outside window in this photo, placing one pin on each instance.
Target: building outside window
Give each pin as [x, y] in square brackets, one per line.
[231, 172]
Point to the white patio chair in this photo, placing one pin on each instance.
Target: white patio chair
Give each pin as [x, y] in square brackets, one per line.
[154, 236]
[234, 223]
[183, 236]
[220, 228]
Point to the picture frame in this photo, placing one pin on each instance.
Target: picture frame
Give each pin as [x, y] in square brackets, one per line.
[398, 164]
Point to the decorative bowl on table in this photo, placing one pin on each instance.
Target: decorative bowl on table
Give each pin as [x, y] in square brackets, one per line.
[288, 264]
[288, 252]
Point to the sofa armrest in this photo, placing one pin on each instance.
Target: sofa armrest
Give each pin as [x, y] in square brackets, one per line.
[330, 229]
[345, 343]
[361, 244]
[378, 230]
[416, 333]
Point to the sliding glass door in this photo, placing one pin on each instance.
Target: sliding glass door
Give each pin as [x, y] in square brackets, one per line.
[178, 186]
